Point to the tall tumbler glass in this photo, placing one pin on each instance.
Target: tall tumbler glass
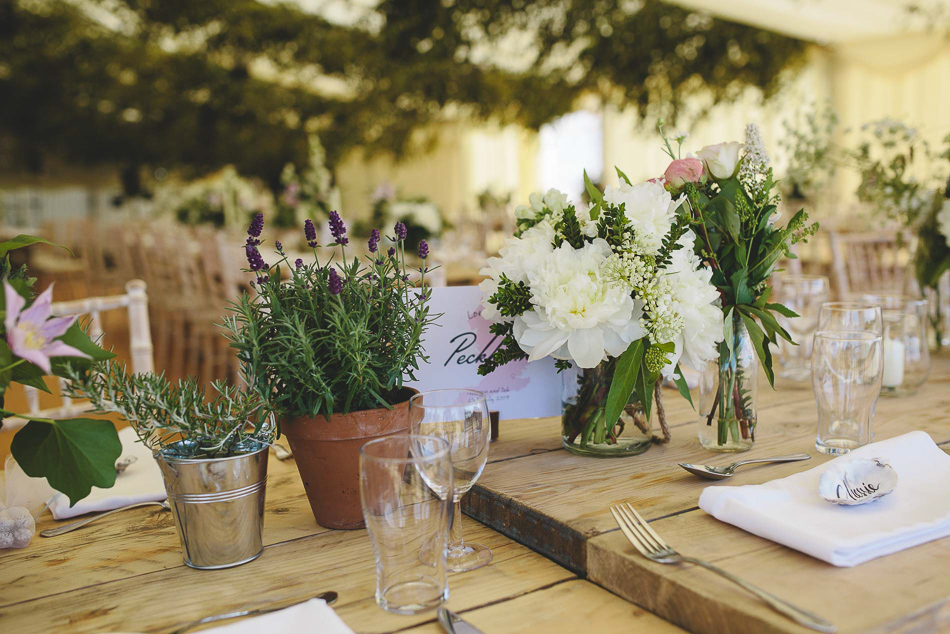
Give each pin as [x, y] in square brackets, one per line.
[405, 489]
[805, 295]
[461, 418]
[847, 367]
[906, 342]
[851, 316]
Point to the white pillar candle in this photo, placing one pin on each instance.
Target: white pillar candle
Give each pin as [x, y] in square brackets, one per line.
[893, 363]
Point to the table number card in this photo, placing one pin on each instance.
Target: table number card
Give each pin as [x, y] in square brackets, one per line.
[460, 341]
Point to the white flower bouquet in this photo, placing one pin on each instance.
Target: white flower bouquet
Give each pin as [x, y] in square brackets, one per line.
[614, 289]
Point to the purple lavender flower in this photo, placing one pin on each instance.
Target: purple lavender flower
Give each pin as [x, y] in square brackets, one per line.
[257, 225]
[423, 249]
[298, 263]
[373, 241]
[391, 252]
[310, 232]
[335, 284]
[280, 247]
[400, 230]
[338, 229]
[254, 258]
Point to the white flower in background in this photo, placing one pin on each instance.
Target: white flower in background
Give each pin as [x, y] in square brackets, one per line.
[553, 200]
[518, 259]
[943, 220]
[578, 314]
[423, 214]
[650, 209]
[721, 159]
[696, 301]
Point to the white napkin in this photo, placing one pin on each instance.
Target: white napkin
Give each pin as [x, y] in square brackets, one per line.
[789, 511]
[311, 616]
[141, 481]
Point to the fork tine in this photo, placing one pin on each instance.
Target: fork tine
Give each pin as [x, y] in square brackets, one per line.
[632, 537]
[643, 522]
[651, 545]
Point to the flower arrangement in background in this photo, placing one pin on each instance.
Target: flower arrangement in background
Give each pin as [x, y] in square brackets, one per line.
[330, 337]
[893, 184]
[421, 217]
[809, 151]
[224, 198]
[732, 204]
[309, 193]
[72, 454]
[613, 286]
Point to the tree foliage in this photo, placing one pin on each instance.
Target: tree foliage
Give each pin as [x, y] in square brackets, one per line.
[179, 84]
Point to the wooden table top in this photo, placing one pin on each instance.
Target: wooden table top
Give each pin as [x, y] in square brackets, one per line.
[558, 504]
[125, 574]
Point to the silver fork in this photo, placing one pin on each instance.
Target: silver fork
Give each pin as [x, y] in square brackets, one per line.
[652, 546]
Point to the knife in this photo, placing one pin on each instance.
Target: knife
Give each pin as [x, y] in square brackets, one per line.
[452, 623]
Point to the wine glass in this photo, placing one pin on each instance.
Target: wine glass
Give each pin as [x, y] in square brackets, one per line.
[461, 418]
[803, 294]
[850, 316]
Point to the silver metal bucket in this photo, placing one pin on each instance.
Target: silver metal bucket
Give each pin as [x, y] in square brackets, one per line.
[218, 505]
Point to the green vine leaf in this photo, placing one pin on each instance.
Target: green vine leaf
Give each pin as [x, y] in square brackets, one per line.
[625, 380]
[73, 454]
[24, 240]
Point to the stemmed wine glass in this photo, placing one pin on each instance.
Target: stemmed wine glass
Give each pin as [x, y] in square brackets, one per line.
[461, 418]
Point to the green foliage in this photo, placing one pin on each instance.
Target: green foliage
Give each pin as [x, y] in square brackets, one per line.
[807, 143]
[310, 352]
[72, 454]
[210, 426]
[175, 84]
[612, 225]
[511, 298]
[506, 352]
[568, 229]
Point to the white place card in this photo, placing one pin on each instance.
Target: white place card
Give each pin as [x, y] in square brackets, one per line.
[460, 341]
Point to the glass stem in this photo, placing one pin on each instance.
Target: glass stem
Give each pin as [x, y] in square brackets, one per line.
[455, 539]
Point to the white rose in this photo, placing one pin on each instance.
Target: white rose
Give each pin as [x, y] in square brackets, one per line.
[553, 200]
[649, 208]
[722, 159]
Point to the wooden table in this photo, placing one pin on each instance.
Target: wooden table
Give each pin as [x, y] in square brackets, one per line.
[125, 574]
[557, 504]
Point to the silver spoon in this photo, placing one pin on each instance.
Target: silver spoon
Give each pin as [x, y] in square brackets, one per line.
[721, 473]
[330, 597]
[59, 530]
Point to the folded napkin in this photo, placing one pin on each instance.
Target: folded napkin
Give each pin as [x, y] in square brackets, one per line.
[789, 511]
[141, 481]
[311, 616]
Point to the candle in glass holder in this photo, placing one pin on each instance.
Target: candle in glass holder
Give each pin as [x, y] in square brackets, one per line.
[893, 363]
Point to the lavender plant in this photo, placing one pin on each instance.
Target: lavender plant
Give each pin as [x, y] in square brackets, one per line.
[334, 336]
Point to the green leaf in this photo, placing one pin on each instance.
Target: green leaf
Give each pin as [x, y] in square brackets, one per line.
[24, 240]
[682, 386]
[782, 310]
[622, 176]
[625, 380]
[73, 454]
[645, 383]
[761, 346]
[771, 324]
[740, 285]
[592, 190]
[723, 213]
[29, 374]
[77, 338]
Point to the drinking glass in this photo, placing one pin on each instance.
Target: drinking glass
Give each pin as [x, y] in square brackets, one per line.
[906, 342]
[461, 418]
[405, 490]
[850, 316]
[805, 295]
[847, 368]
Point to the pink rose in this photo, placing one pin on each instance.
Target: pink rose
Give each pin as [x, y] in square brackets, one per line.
[682, 171]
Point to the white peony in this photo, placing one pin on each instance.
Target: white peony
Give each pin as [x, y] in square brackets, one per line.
[695, 299]
[554, 200]
[578, 314]
[518, 258]
[722, 159]
[650, 209]
[943, 220]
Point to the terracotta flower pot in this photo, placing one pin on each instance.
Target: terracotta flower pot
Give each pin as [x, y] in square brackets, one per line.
[327, 454]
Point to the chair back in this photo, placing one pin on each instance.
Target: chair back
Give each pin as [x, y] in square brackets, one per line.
[867, 262]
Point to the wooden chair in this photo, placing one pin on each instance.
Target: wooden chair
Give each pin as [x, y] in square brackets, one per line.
[867, 262]
[135, 301]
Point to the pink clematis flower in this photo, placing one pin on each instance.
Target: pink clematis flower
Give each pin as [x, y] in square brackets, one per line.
[31, 332]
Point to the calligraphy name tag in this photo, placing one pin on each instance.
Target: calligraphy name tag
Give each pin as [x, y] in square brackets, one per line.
[460, 341]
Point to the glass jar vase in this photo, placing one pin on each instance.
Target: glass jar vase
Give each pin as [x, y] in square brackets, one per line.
[906, 342]
[727, 393]
[584, 428]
